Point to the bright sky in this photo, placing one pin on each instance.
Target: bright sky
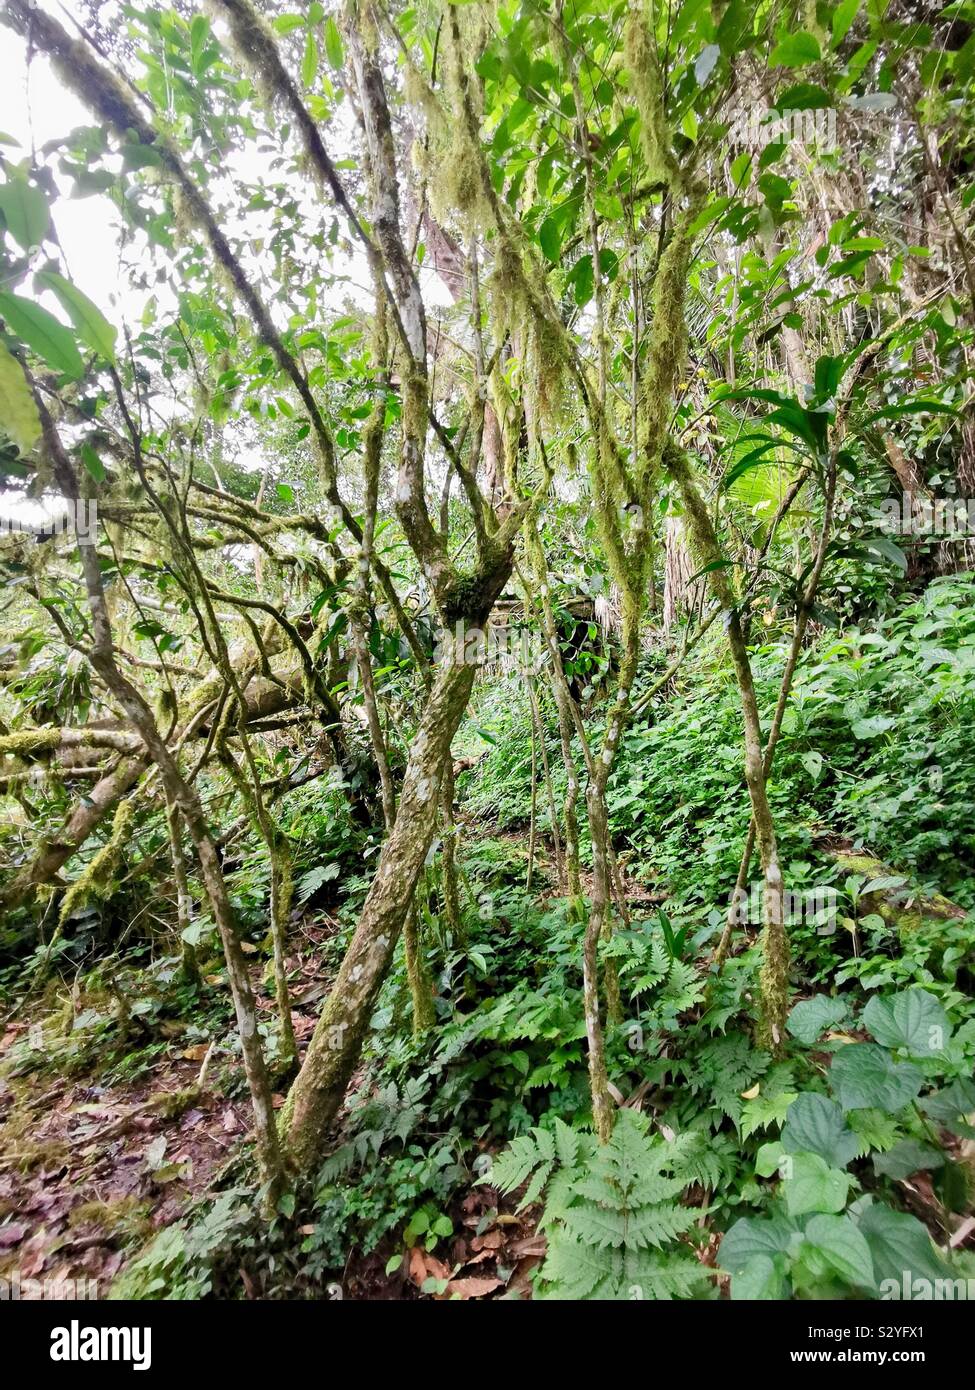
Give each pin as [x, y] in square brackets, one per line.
[35, 109]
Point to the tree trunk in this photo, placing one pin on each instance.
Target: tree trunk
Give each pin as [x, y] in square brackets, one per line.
[315, 1098]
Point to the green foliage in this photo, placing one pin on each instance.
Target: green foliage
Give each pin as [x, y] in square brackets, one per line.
[611, 1215]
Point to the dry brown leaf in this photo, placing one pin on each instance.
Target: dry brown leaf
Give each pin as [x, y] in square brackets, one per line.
[417, 1265]
[471, 1288]
[436, 1269]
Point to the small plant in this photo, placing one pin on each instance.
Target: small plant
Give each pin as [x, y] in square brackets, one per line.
[612, 1214]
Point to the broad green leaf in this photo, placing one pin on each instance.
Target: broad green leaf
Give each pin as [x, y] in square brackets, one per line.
[813, 763]
[844, 1248]
[761, 1278]
[810, 1185]
[18, 412]
[91, 325]
[795, 51]
[884, 882]
[706, 62]
[843, 17]
[898, 1244]
[949, 1104]
[912, 1020]
[93, 464]
[42, 332]
[804, 96]
[550, 239]
[888, 550]
[810, 1018]
[287, 23]
[24, 208]
[752, 1235]
[864, 1076]
[873, 727]
[815, 1124]
[907, 1157]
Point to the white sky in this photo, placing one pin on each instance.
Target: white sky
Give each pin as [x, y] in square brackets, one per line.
[35, 109]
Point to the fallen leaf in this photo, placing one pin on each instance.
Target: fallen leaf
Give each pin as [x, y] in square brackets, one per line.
[471, 1288]
[417, 1266]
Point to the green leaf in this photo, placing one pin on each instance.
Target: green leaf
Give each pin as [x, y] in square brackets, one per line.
[829, 372]
[93, 464]
[912, 1020]
[550, 240]
[815, 1124]
[42, 332]
[810, 1184]
[873, 727]
[761, 1278]
[810, 1018]
[804, 96]
[864, 1075]
[843, 17]
[843, 1247]
[24, 209]
[907, 1157]
[91, 325]
[795, 51]
[333, 45]
[18, 411]
[752, 1236]
[898, 1243]
[946, 1106]
[582, 280]
[813, 763]
[309, 61]
[706, 62]
[888, 550]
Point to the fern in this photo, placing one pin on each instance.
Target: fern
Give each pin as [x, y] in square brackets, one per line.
[612, 1213]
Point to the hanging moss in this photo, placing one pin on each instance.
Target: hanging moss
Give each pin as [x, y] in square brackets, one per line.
[455, 163]
[641, 60]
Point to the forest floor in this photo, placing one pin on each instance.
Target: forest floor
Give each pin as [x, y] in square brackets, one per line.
[89, 1172]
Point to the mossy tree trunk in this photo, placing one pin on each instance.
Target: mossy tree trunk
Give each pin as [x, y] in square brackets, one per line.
[316, 1095]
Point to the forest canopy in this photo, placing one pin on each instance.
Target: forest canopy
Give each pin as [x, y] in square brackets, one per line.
[487, 650]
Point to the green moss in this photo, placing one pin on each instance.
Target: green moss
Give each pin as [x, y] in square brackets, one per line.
[95, 882]
[641, 60]
[30, 745]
